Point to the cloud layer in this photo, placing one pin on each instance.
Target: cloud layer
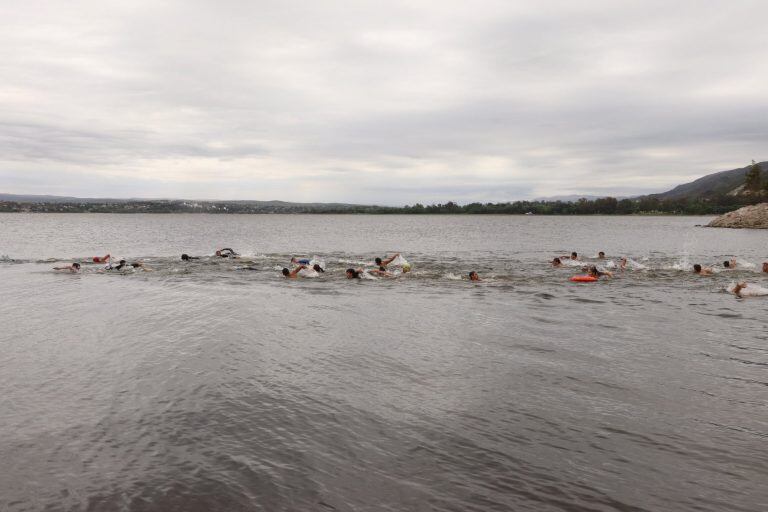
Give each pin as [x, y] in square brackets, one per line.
[387, 103]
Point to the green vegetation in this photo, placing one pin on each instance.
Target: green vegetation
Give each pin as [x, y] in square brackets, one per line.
[754, 180]
[714, 194]
[648, 205]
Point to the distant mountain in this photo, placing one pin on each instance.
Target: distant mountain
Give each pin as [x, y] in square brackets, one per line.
[24, 198]
[572, 198]
[722, 182]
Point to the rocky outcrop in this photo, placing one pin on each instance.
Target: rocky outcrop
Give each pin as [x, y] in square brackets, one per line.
[754, 217]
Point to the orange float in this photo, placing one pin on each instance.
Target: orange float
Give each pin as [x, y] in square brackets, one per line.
[584, 279]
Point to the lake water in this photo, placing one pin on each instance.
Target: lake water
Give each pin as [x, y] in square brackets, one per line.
[218, 385]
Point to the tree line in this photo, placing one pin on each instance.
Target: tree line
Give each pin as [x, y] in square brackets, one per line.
[754, 191]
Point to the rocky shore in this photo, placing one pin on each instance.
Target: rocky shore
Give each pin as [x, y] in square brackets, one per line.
[752, 217]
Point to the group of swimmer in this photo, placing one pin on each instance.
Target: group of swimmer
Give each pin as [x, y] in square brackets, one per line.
[299, 264]
[107, 259]
[593, 273]
[741, 289]
[591, 270]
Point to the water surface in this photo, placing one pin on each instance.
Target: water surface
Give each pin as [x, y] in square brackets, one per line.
[219, 385]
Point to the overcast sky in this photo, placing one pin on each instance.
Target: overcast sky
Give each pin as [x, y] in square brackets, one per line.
[378, 102]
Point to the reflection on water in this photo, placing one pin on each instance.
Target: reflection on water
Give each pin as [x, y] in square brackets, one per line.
[220, 385]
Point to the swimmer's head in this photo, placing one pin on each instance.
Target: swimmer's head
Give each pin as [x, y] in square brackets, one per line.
[593, 271]
[727, 264]
[378, 261]
[76, 266]
[574, 256]
[697, 268]
[185, 257]
[352, 274]
[765, 267]
[406, 267]
[286, 272]
[218, 253]
[317, 268]
[556, 262]
[473, 276]
[601, 255]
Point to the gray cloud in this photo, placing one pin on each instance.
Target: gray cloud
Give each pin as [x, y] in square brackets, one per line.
[364, 102]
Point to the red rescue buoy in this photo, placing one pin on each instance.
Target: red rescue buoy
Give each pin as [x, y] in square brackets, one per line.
[583, 279]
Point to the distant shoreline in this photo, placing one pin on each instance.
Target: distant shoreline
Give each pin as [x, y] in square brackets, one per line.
[603, 206]
[659, 214]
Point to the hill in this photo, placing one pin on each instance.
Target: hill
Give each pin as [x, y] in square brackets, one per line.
[718, 183]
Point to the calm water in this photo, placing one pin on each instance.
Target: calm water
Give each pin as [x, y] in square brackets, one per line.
[220, 386]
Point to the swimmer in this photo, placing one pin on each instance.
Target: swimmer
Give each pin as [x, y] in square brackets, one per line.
[300, 261]
[226, 253]
[597, 274]
[317, 268]
[557, 263]
[730, 264]
[293, 274]
[406, 268]
[473, 276]
[101, 259]
[383, 263]
[187, 257]
[743, 290]
[119, 266]
[737, 289]
[74, 268]
[574, 256]
[702, 271]
[122, 264]
[601, 255]
[353, 274]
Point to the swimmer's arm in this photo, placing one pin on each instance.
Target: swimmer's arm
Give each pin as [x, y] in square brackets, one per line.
[387, 261]
[295, 272]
